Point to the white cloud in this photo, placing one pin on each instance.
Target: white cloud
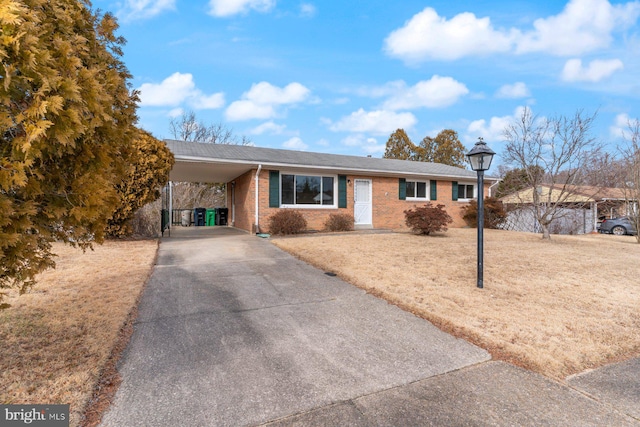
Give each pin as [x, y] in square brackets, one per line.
[176, 112]
[428, 35]
[493, 131]
[379, 122]
[268, 127]
[596, 70]
[171, 92]
[176, 89]
[143, 9]
[620, 126]
[366, 144]
[261, 100]
[266, 93]
[247, 110]
[513, 91]
[307, 10]
[583, 26]
[224, 8]
[437, 92]
[208, 102]
[295, 143]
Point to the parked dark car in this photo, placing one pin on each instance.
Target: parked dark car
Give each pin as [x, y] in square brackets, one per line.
[619, 226]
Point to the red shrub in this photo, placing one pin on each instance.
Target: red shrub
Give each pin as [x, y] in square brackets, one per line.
[427, 219]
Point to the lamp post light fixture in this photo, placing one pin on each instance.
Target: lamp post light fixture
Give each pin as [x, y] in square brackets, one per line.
[480, 158]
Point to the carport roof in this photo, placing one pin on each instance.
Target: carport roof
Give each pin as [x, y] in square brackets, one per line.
[197, 162]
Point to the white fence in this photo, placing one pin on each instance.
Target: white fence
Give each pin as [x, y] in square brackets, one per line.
[568, 221]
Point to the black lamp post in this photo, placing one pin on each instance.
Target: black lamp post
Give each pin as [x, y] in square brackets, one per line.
[480, 158]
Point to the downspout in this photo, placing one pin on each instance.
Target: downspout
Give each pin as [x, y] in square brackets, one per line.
[257, 220]
[170, 205]
[493, 185]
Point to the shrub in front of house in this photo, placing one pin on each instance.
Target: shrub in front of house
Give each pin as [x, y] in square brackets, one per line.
[494, 213]
[287, 221]
[427, 219]
[339, 222]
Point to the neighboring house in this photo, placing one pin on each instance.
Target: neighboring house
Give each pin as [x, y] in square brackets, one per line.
[376, 191]
[581, 207]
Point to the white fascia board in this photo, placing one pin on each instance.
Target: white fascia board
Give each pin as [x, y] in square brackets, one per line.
[334, 169]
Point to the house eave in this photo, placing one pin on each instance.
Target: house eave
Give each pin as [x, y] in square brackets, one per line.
[231, 169]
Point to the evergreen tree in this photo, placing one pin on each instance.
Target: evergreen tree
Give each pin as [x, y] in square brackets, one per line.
[66, 121]
[149, 164]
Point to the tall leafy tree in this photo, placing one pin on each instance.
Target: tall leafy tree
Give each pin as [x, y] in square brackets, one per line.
[149, 164]
[445, 148]
[399, 146]
[66, 120]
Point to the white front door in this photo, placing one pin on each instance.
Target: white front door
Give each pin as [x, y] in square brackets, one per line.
[362, 208]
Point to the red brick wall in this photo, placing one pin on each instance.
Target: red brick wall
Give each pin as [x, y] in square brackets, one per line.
[244, 201]
[388, 209]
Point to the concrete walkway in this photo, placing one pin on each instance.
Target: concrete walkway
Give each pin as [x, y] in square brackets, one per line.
[232, 331]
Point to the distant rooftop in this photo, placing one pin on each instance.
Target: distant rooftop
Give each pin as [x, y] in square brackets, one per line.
[226, 160]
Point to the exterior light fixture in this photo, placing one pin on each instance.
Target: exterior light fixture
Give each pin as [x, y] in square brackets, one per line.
[480, 158]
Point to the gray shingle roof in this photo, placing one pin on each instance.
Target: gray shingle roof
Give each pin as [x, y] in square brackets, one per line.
[270, 157]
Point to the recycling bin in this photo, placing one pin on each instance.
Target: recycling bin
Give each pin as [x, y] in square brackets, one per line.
[221, 216]
[211, 217]
[199, 216]
[185, 216]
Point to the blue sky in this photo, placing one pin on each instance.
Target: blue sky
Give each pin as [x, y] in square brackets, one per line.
[341, 76]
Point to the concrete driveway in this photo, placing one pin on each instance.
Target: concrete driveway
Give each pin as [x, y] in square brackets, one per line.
[233, 331]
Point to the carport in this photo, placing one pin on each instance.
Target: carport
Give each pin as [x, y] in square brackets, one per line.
[201, 168]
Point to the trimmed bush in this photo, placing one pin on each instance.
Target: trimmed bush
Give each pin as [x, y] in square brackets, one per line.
[494, 213]
[287, 221]
[339, 222]
[427, 219]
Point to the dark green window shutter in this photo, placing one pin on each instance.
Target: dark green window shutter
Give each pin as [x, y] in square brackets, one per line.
[274, 189]
[402, 189]
[342, 191]
[434, 190]
[454, 190]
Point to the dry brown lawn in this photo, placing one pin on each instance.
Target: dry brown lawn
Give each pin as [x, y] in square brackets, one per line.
[57, 338]
[557, 307]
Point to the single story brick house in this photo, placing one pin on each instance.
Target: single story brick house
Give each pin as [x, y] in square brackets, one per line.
[376, 191]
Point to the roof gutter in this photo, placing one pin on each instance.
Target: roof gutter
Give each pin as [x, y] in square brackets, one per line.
[257, 220]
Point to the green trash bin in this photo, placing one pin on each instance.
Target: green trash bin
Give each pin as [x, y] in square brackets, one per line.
[210, 217]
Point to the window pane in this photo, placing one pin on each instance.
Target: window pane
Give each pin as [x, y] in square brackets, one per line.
[308, 190]
[411, 189]
[287, 190]
[327, 190]
[421, 189]
[469, 191]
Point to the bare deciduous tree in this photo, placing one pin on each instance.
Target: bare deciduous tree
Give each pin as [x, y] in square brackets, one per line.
[559, 147]
[188, 128]
[631, 158]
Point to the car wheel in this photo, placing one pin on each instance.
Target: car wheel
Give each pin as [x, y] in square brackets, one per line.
[619, 230]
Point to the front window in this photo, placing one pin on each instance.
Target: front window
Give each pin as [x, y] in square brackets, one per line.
[466, 191]
[308, 190]
[416, 189]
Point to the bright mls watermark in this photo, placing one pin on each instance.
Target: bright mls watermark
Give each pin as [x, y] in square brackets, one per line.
[34, 415]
